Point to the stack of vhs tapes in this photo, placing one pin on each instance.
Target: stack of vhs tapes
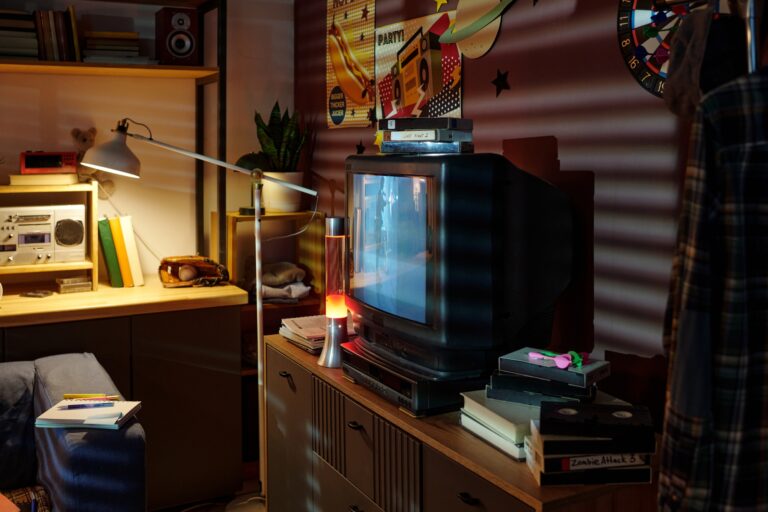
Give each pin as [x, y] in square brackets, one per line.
[590, 444]
[527, 377]
[426, 135]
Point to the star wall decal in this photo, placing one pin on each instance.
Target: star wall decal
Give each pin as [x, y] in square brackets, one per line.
[346, 14]
[365, 12]
[439, 4]
[372, 114]
[360, 148]
[501, 81]
[362, 36]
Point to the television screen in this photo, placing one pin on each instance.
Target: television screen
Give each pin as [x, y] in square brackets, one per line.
[392, 244]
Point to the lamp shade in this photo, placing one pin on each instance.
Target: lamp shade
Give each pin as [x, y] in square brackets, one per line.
[114, 157]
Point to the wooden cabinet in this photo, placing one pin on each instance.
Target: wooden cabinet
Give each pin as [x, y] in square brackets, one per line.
[83, 193]
[186, 372]
[176, 350]
[367, 454]
[289, 435]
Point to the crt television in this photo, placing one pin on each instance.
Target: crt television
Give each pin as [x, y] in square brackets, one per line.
[454, 259]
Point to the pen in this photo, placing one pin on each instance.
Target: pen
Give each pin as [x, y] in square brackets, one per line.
[89, 405]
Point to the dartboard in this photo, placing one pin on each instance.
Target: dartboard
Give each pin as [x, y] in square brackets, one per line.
[645, 32]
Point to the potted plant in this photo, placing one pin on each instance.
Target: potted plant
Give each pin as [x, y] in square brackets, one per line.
[282, 140]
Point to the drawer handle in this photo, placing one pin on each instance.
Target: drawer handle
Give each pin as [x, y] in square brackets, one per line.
[284, 374]
[355, 425]
[468, 499]
[354, 508]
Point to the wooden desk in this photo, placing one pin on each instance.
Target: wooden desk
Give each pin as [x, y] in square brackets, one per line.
[439, 436]
[172, 349]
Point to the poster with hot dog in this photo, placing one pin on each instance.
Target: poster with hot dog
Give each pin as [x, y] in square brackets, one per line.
[349, 63]
[416, 74]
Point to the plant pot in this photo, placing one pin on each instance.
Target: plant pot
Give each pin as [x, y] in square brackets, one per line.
[278, 198]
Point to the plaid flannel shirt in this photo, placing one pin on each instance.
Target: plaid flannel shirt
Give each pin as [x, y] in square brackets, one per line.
[715, 444]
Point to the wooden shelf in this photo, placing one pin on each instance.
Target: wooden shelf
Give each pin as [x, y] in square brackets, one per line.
[89, 198]
[36, 189]
[46, 267]
[120, 70]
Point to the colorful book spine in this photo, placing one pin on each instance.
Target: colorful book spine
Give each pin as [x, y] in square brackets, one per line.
[75, 37]
[126, 224]
[122, 255]
[110, 254]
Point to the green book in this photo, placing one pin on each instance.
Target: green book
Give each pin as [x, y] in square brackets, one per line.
[110, 254]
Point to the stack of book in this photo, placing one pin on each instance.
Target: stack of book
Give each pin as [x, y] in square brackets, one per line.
[119, 251]
[500, 423]
[18, 36]
[57, 36]
[307, 332]
[591, 444]
[426, 135]
[113, 47]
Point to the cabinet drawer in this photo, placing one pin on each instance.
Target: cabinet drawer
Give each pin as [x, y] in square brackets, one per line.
[336, 494]
[358, 446]
[449, 487]
[289, 434]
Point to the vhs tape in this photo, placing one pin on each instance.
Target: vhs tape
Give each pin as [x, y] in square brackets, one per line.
[585, 419]
[425, 123]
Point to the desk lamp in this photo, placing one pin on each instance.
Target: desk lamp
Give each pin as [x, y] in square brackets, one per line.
[116, 157]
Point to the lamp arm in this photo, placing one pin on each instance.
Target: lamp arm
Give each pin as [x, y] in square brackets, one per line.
[221, 163]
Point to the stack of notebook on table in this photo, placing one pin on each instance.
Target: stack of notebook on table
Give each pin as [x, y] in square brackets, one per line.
[591, 444]
[104, 413]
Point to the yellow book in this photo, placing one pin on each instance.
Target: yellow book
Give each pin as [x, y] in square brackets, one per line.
[122, 254]
[126, 224]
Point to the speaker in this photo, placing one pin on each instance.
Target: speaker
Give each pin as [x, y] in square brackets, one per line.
[176, 36]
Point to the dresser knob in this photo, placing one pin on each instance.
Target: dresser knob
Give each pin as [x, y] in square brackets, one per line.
[355, 425]
[468, 499]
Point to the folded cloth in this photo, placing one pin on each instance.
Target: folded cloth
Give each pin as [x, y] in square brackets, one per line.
[297, 290]
[281, 273]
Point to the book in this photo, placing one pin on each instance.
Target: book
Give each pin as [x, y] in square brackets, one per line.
[308, 327]
[43, 179]
[53, 36]
[425, 123]
[434, 135]
[311, 346]
[24, 24]
[18, 42]
[552, 444]
[74, 33]
[122, 255]
[501, 380]
[19, 52]
[426, 147]
[619, 475]
[526, 397]
[581, 419]
[498, 440]
[519, 363]
[20, 34]
[509, 418]
[97, 34]
[553, 463]
[132, 251]
[88, 414]
[110, 254]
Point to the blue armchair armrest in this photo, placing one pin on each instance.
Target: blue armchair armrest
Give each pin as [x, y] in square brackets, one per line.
[86, 470]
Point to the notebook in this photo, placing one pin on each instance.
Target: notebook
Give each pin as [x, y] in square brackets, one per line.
[88, 414]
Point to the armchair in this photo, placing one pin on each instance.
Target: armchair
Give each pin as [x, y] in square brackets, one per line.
[79, 470]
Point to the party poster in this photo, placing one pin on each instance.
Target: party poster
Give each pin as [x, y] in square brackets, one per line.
[416, 75]
[349, 63]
